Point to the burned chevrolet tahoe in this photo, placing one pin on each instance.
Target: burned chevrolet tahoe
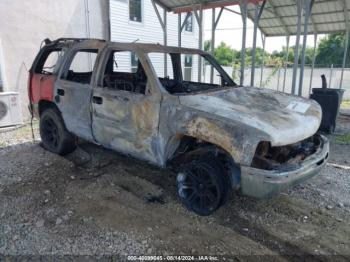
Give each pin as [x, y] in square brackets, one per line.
[218, 136]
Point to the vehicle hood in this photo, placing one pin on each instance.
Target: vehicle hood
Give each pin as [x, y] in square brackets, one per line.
[284, 118]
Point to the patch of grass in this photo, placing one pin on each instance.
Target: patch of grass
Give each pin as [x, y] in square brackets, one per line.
[343, 139]
[345, 104]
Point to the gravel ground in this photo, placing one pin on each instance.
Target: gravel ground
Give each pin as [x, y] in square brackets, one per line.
[97, 202]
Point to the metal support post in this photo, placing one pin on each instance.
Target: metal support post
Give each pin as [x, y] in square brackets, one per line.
[212, 44]
[286, 63]
[346, 42]
[214, 25]
[258, 12]
[263, 39]
[307, 12]
[330, 76]
[296, 50]
[181, 26]
[244, 12]
[163, 24]
[199, 18]
[313, 61]
[346, 45]
[165, 36]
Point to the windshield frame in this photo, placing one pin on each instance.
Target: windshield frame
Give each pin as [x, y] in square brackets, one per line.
[177, 67]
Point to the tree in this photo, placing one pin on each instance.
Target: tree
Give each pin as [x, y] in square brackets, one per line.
[207, 45]
[224, 54]
[331, 50]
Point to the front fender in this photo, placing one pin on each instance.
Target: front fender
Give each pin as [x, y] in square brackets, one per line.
[239, 140]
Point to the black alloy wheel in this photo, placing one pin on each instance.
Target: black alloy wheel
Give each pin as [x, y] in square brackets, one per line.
[201, 186]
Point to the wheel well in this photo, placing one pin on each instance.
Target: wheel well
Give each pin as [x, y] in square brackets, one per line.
[191, 147]
[44, 104]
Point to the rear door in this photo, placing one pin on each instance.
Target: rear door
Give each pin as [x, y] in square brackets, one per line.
[73, 88]
[125, 109]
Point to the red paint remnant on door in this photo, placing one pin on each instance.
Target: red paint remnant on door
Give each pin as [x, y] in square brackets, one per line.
[41, 87]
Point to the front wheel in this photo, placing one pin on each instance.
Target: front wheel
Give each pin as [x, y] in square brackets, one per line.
[54, 135]
[201, 186]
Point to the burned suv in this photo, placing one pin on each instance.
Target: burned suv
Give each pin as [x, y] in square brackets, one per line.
[218, 136]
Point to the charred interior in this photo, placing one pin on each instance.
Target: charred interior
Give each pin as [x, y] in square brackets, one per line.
[270, 158]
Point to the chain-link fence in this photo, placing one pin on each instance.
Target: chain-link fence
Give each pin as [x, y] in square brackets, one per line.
[281, 79]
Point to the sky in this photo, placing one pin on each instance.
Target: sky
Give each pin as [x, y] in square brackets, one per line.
[229, 30]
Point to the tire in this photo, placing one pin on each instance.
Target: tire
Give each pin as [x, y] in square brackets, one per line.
[54, 135]
[202, 186]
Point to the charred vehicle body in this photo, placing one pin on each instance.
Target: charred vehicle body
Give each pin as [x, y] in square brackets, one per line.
[218, 137]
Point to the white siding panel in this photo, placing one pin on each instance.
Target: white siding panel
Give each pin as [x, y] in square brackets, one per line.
[149, 31]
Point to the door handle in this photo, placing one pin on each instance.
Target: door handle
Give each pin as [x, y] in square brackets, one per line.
[125, 99]
[97, 100]
[60, 92]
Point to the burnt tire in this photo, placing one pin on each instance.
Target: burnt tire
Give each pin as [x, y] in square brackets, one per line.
[201, 185]
[54, 135]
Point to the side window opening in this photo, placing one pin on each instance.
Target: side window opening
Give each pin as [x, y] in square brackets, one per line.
[178, 78]
[167, 78]
[81, 67]
[47, 64]
[124, 71]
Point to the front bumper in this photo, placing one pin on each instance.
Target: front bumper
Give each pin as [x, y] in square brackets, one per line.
[266, 183]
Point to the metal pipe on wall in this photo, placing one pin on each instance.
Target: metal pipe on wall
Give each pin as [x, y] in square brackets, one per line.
[179, 34]
[87, 29]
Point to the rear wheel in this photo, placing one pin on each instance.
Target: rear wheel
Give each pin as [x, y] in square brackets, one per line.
[201, 186]
[54, 135]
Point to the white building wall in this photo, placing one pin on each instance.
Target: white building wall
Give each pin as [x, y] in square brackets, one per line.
[24, 24]
[149, 31]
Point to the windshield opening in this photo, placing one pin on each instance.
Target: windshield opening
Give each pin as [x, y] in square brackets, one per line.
[181, 76]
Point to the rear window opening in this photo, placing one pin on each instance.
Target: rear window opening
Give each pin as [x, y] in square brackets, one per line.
[272, 158]
[48, 61]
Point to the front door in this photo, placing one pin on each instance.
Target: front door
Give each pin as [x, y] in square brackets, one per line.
[73, 90]
[125, 111]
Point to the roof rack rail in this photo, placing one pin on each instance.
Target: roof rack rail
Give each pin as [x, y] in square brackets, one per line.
[70, 39]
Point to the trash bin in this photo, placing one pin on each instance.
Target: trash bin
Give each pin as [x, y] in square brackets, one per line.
[330, 100]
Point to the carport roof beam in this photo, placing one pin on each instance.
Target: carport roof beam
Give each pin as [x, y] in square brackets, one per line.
[279, 17]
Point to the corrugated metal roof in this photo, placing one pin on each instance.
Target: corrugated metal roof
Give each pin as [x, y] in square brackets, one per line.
[279, 17]
[180, 6]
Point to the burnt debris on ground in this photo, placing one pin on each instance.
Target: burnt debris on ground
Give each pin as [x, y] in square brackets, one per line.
[95, 201]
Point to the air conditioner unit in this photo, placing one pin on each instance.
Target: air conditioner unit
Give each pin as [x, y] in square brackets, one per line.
[10, 109]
